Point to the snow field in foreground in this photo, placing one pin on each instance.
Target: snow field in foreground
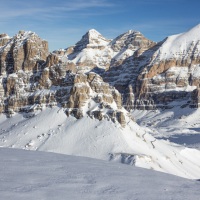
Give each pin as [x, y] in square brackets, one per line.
[40, 175]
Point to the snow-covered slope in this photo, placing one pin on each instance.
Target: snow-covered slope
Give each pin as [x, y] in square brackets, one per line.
[180, 46]
[38, 175]
[178, 125]
[51, 130]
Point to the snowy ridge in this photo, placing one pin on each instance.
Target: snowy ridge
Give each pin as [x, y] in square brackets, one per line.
[180, 46]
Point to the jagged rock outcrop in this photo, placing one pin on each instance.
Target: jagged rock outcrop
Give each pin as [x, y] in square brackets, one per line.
[23, 74]
[90, 89]
[24, 51]
[51, 60]
[79, 92]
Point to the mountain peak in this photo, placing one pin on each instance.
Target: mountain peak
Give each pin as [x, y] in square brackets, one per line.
[4, 36]
[129, 32]
[93, 36]
[25, 34]
[93, 39]
[93, 33]
[131, 39]
[129, 35]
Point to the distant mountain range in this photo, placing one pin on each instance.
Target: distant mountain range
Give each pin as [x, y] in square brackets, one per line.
[96, 84]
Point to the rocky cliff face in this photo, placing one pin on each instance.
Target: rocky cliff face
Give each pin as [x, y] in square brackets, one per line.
[21, 64]
[32, 78]
[25, 51]
[90, 95]
[161, 74]
[129, 71]
[115, 60]
[171, 72]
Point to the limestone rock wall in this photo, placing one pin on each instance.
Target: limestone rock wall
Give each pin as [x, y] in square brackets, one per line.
[129, 71]
[22, 52]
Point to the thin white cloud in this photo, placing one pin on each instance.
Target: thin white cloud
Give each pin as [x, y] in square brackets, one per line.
[45, 8]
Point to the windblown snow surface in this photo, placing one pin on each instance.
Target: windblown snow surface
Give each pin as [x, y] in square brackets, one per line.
[39, 175]
[177, 125]
[51, 130]
[180, 46]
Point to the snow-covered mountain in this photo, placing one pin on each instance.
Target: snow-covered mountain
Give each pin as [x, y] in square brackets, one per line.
[148, 75]
[94, 51]
[170, 70]
[165, 72]
[77, 100]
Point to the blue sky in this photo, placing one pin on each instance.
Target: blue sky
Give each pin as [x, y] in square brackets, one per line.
[63, 22]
